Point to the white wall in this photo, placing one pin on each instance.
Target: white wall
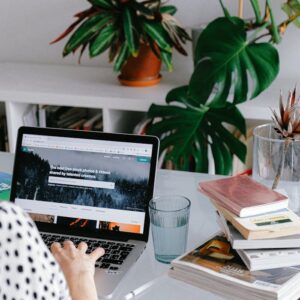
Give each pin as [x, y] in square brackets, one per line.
[27, 26]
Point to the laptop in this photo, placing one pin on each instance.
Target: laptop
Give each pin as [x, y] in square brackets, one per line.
[88, 186]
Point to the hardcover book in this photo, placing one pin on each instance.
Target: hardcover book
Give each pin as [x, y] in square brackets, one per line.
[216, 267]
[243, 196]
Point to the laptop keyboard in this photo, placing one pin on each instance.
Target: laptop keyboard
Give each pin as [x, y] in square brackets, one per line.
[115, 252]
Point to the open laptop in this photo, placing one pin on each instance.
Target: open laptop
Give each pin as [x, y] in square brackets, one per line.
[88, 186]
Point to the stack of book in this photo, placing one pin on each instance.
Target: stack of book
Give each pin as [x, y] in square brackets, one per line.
[63, 117]
[257, 254]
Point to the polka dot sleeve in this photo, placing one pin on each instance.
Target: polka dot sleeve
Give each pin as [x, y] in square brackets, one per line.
[27, 268]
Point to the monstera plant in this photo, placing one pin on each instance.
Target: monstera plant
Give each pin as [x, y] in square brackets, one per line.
[235, 61]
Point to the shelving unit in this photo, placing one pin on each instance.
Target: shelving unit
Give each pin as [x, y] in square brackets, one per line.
[95, 87]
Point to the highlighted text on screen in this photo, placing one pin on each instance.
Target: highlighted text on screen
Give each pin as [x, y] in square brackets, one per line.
[81, 182]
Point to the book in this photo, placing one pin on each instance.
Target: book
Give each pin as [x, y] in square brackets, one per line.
[5, 186]
[272, 225]
[237, 241]
[88, 125]
[30, 116]
[243, 196]
[261, 259]
[216, 267]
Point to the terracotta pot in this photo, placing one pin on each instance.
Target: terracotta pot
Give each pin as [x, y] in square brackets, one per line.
[142, 70]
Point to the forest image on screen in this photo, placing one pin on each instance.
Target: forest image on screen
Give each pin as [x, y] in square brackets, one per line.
[129, 175]
[110, 182]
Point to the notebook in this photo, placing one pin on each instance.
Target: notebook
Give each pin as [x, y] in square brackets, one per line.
[88, 186]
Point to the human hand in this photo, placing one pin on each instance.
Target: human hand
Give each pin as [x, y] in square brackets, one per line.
[78, 268]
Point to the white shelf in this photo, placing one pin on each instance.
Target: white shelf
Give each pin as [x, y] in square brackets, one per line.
[96, 87]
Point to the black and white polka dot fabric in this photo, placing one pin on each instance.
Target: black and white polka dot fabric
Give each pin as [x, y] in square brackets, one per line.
[27, 268]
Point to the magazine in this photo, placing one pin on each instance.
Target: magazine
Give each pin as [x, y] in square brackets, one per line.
[216, 267]
[5, 186]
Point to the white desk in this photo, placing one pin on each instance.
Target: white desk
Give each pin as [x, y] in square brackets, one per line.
[202, 225]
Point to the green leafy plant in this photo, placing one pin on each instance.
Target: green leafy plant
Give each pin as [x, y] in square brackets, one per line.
[121, 26]
[235, 60]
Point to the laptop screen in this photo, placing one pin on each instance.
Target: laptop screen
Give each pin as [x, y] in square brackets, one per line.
[84, 183]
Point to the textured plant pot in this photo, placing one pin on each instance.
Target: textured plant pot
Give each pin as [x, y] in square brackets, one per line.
[141, 71]
[268, 153]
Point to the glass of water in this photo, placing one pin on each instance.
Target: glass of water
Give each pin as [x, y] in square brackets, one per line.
[169, 216]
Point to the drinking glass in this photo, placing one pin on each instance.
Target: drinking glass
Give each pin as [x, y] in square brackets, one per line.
[169, 216]
[271, 157]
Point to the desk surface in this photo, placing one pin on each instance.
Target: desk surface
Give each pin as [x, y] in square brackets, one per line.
[202, 225]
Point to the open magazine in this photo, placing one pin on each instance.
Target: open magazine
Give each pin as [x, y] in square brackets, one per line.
[5, 186]
[216, 267]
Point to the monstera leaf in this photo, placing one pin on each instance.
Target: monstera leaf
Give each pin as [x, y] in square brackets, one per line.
[187, 132]
[225, 60]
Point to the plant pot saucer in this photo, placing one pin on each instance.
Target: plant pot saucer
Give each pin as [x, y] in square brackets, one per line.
[139, 83]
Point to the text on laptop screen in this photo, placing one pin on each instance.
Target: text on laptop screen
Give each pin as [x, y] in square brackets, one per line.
[84, 183]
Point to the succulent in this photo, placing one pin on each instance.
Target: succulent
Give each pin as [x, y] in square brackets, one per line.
[121, 26]
[287, 123]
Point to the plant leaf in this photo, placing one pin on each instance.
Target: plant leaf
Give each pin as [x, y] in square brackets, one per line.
[168, 9]
[167, 59]
[131, 34]
[81, 16]
[291, 8]
[143, 10]
[229, 114]
[103, 40]
[224, 58]
[158, 34]
[86, 32]
[185, 133]
[106, 4]
[122, 57]
[180, 94]
[234, 144]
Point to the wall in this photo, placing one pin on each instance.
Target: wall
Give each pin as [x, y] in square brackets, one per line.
[27, 26]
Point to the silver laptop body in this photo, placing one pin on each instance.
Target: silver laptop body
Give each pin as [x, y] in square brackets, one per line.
[88, 186]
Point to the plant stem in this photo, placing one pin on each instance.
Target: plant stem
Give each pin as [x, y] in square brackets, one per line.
[281, 163]
[259, 37]
[254, 37]
[241, 8]
[256, 9]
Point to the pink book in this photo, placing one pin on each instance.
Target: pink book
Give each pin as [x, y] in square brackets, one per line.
[243, 196]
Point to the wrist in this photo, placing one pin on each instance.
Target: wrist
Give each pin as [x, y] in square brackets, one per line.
[83, 287]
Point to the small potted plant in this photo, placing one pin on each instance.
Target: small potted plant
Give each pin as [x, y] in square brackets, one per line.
[139, 35]
[276, 150]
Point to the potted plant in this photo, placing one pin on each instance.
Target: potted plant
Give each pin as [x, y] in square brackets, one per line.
[199, 117]
[276, 150]
[139, 35]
